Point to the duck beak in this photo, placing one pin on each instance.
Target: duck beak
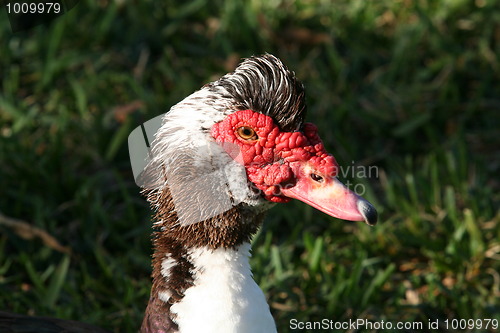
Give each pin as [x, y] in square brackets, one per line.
[328, 194]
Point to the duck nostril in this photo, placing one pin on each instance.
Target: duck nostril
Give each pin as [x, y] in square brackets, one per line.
[316, 177]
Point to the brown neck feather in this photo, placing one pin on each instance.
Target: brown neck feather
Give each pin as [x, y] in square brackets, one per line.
[172, 240]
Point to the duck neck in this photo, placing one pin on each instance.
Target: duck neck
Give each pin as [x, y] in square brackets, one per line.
[202, 281]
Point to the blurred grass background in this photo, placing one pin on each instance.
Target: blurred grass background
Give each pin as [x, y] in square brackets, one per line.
[411, 87]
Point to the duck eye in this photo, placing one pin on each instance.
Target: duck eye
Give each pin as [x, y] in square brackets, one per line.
[247, 133]
[316, 177]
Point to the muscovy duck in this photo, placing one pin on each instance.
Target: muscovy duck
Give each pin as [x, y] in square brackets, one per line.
[219, 160]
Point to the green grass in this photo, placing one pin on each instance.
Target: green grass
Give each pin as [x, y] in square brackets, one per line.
[412, 87]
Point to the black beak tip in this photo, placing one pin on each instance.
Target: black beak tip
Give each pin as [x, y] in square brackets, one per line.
[368, 211]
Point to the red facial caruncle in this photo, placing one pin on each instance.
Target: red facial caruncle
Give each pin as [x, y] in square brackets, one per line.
[263, 149]
[285, 165]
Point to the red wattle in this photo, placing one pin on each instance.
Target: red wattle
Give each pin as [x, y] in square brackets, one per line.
[266, 159]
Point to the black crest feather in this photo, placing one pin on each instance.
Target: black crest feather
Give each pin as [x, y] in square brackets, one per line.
[264, 84]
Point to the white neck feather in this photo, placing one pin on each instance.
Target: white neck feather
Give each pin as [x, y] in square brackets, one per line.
[224, 298]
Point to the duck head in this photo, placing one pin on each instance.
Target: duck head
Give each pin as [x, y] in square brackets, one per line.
[242, 140]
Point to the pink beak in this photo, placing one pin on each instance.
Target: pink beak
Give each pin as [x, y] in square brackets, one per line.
[328, 194]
